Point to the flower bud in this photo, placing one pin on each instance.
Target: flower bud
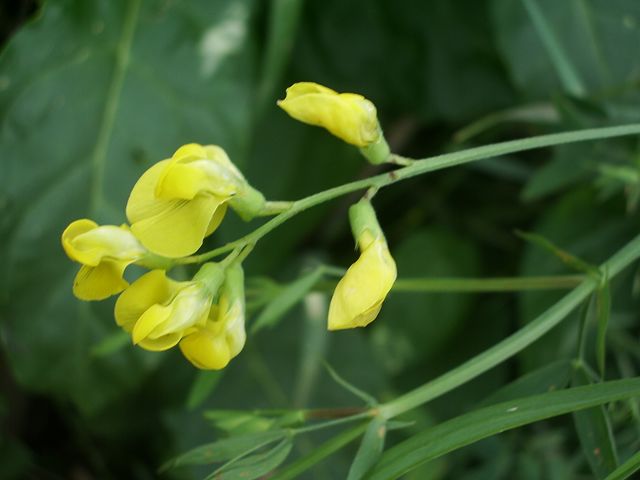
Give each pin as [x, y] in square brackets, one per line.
[358, 296]
[104, 252]
[348, 116]
[212, 346]
[178, 202]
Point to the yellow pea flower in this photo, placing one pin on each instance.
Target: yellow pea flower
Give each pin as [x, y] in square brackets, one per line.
[212, 346]
[348, 116]
[104, 252]
[358, 297]
[158, 311]
[178, 202]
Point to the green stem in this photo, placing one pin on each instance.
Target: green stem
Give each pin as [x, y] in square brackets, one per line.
[504, 284]
[470, 285]
[419, 167]
[333, 423]
[514, 343]
[274, 208]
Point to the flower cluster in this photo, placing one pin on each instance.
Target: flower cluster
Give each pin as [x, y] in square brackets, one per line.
[180, 201]
[172, 208]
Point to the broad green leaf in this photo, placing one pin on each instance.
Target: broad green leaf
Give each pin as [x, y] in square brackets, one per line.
[203, 385]
[227, 449]
[593, 427]
[428, 60]
[286, 299]
[599, 39]
[92, 94]
[554, 376]
[569, 165]
[257, 465]
[627, 469]
[415, 327]
[370, 449]
[319, 453]
[471, 427]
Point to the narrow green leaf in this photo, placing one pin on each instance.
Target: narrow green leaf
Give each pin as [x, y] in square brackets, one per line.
[286, 299]
[538, 113]
[240, 423]
[567, 258]
[471, 427]
[515, 342]
[603, 312]
[257, 465]
[585, 313]
[370, 449]
[320, 453]
[627, 469]
[554, 376]
[223, 450]
[593, 428]
[399, 424]
[202, 386]
[368, 399]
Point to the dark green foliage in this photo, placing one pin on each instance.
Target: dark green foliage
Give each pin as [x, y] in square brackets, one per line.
[92, 92]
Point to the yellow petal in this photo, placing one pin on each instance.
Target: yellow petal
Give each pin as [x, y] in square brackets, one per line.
[235, 334]
[87, 243]
[162, 343]
[195, 169]
[217, 155]
[152, 318]
[171, 228]
[188, 308]
[188, 151]
[216, 220]
[358, 296]
[142, 201]
[303, 88]
[206, 350]
[180, 229]
[101, 281]
[181, 182]
[152, 288]
[348, 116]
[75, 229]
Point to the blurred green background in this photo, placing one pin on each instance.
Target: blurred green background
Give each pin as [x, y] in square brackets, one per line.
[94, 92]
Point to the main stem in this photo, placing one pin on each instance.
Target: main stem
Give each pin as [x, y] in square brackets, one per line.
[418, 167]
[514, 343]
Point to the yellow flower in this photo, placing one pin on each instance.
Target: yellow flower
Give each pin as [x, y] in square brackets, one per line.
[104, 252]
[158, 311]
[358, 296]
[178, 202]
[212, 347]
[348, 116]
